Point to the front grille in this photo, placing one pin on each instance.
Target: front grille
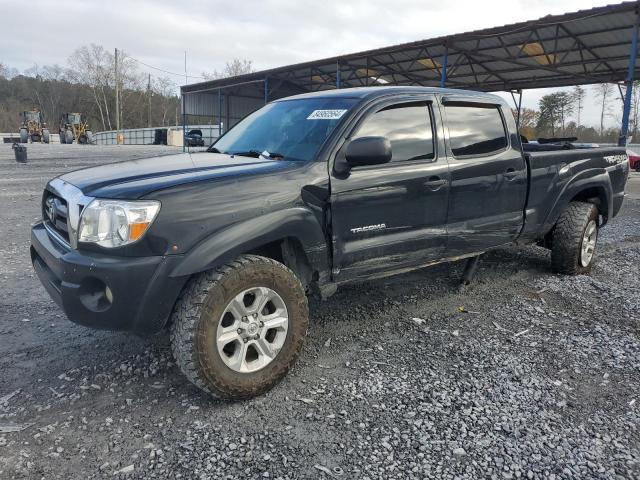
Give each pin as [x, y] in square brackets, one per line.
[55, 213]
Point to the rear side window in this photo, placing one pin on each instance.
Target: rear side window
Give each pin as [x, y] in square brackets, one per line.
[408, 128]
[475, 130]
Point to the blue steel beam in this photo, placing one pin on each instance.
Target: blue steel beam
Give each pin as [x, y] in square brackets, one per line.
[630, 78]
[266, 90]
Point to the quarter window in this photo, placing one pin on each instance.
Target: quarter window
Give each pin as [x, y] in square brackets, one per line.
[408, 128]
[475, 130]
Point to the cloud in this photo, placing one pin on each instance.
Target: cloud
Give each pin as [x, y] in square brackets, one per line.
[271, 33]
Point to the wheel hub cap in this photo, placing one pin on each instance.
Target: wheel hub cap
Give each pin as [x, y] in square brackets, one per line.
[588, 243]
[252, 329]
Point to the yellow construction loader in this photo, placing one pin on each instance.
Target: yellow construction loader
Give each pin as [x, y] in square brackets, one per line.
[33, 127]
[74, 128]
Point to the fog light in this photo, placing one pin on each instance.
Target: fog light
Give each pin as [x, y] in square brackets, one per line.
[108, 294]
[95, 295]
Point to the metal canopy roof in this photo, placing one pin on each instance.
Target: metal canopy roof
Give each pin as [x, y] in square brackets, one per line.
[588, 46]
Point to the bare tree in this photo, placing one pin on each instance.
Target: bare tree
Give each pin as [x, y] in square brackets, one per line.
[165, 88]
[577, 96]
[602, 92]
[635, 110]
[93, 66]
[7, 71]
[232, 69]
[131, 83]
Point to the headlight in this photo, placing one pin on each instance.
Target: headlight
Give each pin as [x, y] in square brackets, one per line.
[114, 223]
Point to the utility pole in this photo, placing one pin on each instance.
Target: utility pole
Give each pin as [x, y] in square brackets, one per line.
[149, 95]
[184, 115]
[117, 94]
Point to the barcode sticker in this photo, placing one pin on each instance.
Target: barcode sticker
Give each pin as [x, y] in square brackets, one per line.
[326, 114]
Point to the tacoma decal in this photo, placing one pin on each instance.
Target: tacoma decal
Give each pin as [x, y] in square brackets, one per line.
[369, 228]
[615, 159]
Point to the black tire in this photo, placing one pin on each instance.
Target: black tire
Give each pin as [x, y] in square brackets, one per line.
[89, 135]
[45, 135]
[24, 135]
[62, 139]
[568, 237]
[200, 310]
[68, 137]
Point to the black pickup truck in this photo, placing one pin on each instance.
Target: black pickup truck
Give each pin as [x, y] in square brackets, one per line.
[309, 192]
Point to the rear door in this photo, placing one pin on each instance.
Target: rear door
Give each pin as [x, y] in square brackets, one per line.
[488, 176]
[393, 215]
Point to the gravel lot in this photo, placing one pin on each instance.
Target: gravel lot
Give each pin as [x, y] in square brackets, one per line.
[524, 375]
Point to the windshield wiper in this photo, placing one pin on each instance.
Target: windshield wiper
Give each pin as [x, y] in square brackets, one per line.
[258, 153]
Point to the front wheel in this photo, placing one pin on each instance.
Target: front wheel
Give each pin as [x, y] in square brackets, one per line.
[237, 330]
[574, 239]
[24, 135]
[68, 137]
[45, 135]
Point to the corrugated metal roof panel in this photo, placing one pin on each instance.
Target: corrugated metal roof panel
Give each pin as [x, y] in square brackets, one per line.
[587, 46]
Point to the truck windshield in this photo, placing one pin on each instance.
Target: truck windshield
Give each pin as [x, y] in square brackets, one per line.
[292, 129]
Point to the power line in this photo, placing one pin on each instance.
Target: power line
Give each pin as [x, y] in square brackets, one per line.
[165, 71]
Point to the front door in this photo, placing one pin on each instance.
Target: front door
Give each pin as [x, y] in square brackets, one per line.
[392, 216]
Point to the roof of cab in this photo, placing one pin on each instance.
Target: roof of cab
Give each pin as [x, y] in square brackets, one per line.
[369, 92]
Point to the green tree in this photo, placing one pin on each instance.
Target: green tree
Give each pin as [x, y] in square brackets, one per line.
[548, 117]
[564, 104]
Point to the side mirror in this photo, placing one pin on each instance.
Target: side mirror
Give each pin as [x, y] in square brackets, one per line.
[368, 151]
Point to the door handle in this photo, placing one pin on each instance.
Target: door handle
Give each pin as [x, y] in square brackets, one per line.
[435, 183]
[510, 174]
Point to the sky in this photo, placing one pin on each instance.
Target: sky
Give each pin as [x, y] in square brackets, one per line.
[270, 33]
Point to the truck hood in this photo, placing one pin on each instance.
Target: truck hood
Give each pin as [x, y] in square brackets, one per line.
[136, 178]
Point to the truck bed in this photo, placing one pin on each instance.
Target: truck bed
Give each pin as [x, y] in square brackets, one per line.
[555, 174]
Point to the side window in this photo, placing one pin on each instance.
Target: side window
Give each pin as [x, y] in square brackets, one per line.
[407, 126]
[475, 130]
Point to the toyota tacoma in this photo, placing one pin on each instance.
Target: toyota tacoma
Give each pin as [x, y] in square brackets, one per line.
[222, 247]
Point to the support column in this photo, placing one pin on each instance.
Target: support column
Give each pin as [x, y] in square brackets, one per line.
[220, 126]
[184, 124]
[518, 105]
[266, 90]
[443, 71]
[338, 75]
[622, 141]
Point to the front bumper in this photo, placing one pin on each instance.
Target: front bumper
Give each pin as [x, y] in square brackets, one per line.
[106, 292]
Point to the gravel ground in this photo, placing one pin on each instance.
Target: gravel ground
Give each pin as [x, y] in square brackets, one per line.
[526, 374]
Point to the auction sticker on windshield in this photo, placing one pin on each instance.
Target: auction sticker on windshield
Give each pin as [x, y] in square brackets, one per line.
[326, 114]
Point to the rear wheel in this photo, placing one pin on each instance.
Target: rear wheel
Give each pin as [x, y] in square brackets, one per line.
[238, 329]
[24, 135]
[45, 135]
[68, 137]
[89, 136]
[574, 239]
